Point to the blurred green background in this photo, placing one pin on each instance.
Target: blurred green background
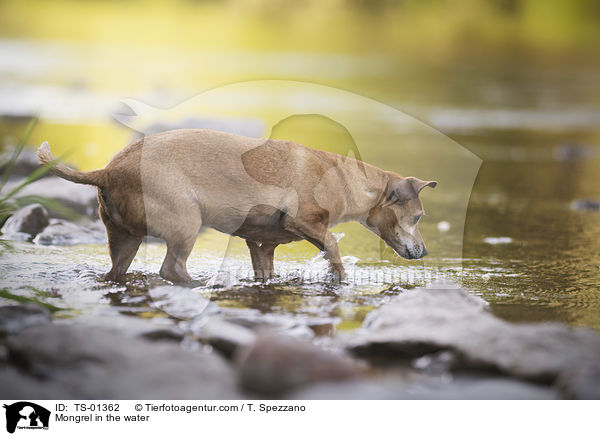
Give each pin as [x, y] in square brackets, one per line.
[409, 54]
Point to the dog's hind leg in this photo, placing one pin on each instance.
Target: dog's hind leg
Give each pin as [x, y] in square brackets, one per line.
[178, 250]
[262, 259]
[122, 247]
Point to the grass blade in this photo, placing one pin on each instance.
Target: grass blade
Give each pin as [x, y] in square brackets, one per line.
[37, 174]
[48, 203]
[13, 160]
[5, 293]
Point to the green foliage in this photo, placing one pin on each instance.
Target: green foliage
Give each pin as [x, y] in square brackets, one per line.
[9, 202]
[5, 293]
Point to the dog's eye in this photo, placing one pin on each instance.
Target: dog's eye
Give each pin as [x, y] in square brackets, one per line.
[416, 219]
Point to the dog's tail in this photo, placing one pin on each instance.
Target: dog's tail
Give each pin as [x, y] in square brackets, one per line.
[96, 178]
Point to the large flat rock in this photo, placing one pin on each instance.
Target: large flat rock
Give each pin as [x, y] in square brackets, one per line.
[423, 321]
[97, 363]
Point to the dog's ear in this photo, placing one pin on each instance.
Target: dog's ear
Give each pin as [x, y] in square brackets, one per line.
[406, 188]
[419, 184]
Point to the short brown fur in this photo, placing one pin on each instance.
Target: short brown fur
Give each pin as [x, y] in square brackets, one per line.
[268, 192]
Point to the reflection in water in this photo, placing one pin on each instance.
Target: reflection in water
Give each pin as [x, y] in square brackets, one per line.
[551, 270]
[547, 270]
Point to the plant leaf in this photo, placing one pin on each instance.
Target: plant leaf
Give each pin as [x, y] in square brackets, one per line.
[4, 293]
[11, 163]
[48, 203]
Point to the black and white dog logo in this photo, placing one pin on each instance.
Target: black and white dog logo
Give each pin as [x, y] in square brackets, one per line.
[26, 415]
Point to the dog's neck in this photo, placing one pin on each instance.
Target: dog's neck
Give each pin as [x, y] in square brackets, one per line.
[369, 192]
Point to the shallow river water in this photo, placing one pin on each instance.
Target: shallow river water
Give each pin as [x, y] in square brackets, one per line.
[511, 154]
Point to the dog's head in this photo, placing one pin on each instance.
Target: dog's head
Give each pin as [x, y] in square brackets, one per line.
[396, 217]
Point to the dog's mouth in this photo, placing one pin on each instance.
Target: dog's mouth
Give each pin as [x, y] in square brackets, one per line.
[403, 251]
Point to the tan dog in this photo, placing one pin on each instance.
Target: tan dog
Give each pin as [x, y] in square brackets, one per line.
[268, 192]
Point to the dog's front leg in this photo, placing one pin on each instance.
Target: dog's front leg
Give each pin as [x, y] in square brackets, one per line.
[262, 259]
[315, 231]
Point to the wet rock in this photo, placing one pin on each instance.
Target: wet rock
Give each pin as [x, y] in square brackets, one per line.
[26, 163]
[157, 329]
[424, 321]
[181, 303]
[80, 198]
[461, 389]
[14, 319]
[19, 386]
[170, 335]
[25, 223]
[581, 383]
[291, 326]
[224, 336]
[322, 326]
[585, 205]
[98, 363]
[277, 363]
[61, 232]
[436, 363]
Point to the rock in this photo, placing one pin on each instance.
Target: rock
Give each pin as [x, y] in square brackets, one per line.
[18, 386]
[580, 383]
[436, 363]
[224, 336]
[291, 326]
[98, 363]
[585, 205]
[322, 326]
[25, 223]
[423, 321]
[156, 329]
[14, 319]
[277, 363]
[81, 198]
[461, 389]
[169, 335]
[181, 303]
[61, 232]
[26, 163]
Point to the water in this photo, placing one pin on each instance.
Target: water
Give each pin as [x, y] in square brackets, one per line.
[524, 249]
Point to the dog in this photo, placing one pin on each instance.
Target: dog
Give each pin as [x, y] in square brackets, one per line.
[266, 191]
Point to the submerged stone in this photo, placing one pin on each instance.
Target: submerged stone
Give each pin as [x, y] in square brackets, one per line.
[25, 223]
[14, 319]
[61, 232]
